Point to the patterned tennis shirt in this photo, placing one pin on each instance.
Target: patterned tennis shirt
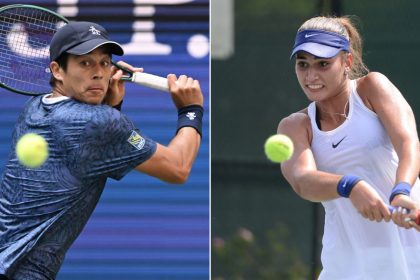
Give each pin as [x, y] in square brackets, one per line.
[43, 210]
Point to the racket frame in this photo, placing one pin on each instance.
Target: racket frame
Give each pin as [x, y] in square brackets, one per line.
[144, 79]
[16, 6]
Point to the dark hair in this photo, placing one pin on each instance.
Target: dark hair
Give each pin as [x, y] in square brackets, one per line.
[62, 62]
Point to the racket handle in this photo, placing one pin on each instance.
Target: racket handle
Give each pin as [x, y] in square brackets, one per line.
[151, 81]
[417, 220]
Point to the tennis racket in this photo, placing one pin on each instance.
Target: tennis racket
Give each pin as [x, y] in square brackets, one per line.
[417, 220]
[144, 79]
[25, 35]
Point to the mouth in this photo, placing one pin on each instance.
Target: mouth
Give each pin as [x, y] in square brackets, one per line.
[95, 89]
[314, 86]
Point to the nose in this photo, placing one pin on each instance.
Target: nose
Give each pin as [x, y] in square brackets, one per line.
[311, 74]
[98, 72]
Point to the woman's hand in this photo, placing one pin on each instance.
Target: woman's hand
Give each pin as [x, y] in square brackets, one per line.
[368, 202]
[405, 212]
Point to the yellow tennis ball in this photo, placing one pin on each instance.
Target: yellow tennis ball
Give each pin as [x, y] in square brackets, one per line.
[278, 148]
[32, 150]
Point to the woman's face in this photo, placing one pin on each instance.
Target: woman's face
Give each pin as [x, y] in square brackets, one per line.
[322, 78]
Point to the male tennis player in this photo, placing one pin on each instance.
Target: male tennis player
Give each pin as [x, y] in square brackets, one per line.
[43, 210]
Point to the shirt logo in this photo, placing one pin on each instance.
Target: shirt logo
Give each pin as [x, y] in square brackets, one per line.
[136, 140]
[191, 115]
[94, 31]
[336, 145]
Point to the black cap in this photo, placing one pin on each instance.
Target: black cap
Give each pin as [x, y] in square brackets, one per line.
[81, 37]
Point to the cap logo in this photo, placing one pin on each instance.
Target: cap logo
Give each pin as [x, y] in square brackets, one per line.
[94, 31]
[310, 35]
[320, 43]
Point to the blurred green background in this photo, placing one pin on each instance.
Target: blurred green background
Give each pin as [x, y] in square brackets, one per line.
[260, 228]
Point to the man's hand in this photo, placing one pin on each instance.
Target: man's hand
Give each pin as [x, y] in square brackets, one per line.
[116, 89]
[185, 91]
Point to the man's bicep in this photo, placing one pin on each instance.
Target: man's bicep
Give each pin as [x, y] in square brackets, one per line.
[159, 164]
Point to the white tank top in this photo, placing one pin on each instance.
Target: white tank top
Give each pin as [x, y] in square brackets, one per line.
[354, 247]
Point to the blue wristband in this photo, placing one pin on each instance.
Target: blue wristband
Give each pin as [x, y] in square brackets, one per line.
[191, 116]
[400, 188]
[346, 184]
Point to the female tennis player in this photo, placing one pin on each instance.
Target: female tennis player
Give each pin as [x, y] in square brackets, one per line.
[356, 151]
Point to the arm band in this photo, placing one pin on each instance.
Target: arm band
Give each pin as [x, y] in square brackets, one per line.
[400, 188]
[346, 184]
[191, 116]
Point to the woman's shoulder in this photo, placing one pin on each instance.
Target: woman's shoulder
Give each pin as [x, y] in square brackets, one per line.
[372, 87]
[373, 83]
[297, 123]
[297, 117]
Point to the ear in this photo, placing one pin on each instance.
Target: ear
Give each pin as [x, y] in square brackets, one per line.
[348, 61]
[56, 70]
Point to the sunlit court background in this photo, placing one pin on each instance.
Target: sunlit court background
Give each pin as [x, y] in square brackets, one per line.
[142, 228]
[260, 228]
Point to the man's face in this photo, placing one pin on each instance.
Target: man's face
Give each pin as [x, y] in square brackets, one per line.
[87, 76]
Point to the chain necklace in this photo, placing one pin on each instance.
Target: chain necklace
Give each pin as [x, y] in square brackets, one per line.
[344, 115]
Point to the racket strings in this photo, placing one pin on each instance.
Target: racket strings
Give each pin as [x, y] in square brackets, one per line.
[25, 34]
